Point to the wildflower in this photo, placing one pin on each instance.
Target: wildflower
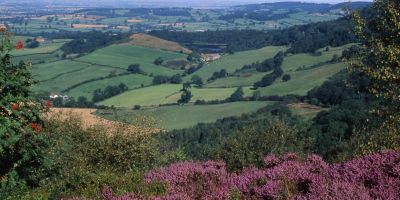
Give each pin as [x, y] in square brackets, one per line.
[36, 127]
[20, 44]
[48, 104]
[14, 106]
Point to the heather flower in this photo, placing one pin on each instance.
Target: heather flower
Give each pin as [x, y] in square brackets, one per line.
[375, 176]
[271, 161]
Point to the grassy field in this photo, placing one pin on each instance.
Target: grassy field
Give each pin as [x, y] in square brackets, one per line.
[302, 81]
[166, 94]
[178, 117]
[47, 48]
[122, 56]
[236, 61]
[296, 61]
[57, 76]
[237, 81]
[133, 81]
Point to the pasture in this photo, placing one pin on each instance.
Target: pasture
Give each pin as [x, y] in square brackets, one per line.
[121, 56]
[178, 117]
[166, 94]
[236, 61]
[302, 81]
[133, 81]
[58, 76]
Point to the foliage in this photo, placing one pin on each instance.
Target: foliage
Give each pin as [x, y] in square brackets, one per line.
[286, 78]
[197, 80]
[158, 61]
[22, 160]
[205, 141]
[109, 91]
[301, 39]
[379, 59]
[237, 95]
[185, 97]
[88, 42]
[135, 69]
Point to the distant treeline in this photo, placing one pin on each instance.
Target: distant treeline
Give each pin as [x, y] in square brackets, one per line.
[84, 42]
[135, 12]
[301, 39]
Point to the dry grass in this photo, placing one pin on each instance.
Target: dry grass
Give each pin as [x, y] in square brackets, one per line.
[305, 109]
[155, 42]
[88, 120]
[134, 20]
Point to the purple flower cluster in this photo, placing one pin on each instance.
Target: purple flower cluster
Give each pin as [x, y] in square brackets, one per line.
[375, 176]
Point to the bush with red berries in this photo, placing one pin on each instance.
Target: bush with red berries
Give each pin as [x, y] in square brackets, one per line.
[21, 142]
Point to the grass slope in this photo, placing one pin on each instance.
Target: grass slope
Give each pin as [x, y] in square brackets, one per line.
[133, 81]
[166, 94]
[296, 61]
[178, 117]
[122, 56]
[302, 81]
[57, 76]
[52, 46]
[236, 61]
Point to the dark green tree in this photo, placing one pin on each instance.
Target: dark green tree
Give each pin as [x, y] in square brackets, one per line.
[237, 95]
[197, 80]
[135, 69]
[158, 61]
[185, 97]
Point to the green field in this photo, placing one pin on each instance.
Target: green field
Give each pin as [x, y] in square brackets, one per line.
[178, 117]
[122, 56]
[296, 61]
[44, 49]
[166, 94]
[133, 81]
[236, 61]
[302, 81]
[57, 76]
[237, 81]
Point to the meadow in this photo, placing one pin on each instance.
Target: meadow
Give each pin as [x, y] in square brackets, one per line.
[165, 94]
[178, 117]
[303, 81]
[121, 56]
[232, 62]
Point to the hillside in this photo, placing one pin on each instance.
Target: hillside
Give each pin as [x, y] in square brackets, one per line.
[156, 43]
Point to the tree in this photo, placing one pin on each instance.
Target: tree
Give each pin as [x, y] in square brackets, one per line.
[286, 78]
[197, 80]
[22, 158]
[135, 69]
[158, 61]
[159, 79]
[176, 79]
[237, 95]
[185, 97]
[186, 86]
[379, 60]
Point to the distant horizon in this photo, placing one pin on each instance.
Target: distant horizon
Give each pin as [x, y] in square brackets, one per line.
[170, 3]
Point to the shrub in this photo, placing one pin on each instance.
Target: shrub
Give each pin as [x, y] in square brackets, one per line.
[22, 159]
